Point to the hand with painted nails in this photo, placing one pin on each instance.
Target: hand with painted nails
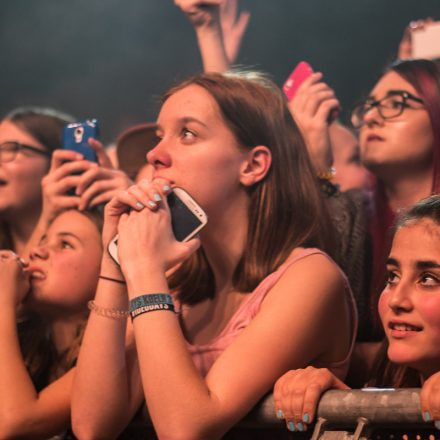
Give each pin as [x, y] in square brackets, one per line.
[297, 393]
[311, 108]
[15, 280]
[149, 220]
[430, 399]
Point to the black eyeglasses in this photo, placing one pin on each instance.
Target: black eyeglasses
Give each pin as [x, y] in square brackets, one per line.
[388, 107]
[9, 150]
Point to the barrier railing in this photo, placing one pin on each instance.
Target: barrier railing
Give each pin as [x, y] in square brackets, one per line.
[369, 413]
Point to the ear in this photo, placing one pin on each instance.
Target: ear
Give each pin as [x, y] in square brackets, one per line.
[255, 165]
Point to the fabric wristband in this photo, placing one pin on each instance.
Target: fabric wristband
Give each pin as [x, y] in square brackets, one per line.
[150, 303]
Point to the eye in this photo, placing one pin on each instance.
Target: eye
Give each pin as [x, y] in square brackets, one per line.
[66, 244]
[187, 134]
[429, 280]
[392, 278]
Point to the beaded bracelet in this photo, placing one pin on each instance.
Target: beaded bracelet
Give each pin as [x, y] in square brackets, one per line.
[107, 312]
[150, 303]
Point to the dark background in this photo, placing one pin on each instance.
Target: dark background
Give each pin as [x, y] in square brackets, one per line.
[112, 59]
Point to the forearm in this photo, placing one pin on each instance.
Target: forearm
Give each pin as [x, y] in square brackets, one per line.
[178, 398]
[101, 397]
[212, 50]
[17, 392]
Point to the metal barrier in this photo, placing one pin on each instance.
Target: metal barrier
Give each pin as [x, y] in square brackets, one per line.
[370, 413]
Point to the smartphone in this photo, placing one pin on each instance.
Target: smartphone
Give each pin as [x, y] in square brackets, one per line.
[426, 41]
[76, 136]
[187, 219]
[300, 73]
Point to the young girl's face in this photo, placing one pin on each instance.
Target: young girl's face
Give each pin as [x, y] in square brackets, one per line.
[197, 150]
[64, 268]
[20, 179]
[409, 306]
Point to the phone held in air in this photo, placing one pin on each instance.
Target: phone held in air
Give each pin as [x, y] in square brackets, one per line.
[299, 74]
[187, 219]
[426, 41]
[76, 136]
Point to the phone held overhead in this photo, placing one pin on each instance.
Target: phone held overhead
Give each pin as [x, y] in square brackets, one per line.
[187, 219]
[76, 138]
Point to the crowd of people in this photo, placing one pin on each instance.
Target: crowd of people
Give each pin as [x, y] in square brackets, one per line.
[303, 279]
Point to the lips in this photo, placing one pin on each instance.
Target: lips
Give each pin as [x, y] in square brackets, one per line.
[403, 328]
[36, 273]
[374, 138]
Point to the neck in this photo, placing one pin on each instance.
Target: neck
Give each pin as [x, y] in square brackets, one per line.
[224, 239]
[405, 190]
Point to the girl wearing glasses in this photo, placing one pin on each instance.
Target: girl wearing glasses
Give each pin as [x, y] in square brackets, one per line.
[399, 140]
[29, 138]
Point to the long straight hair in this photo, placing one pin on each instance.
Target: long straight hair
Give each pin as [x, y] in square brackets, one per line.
[286, 207]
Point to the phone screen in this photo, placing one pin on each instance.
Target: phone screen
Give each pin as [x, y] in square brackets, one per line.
[183, 221]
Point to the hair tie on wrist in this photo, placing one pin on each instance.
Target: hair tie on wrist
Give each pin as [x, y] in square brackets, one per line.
[115, 280]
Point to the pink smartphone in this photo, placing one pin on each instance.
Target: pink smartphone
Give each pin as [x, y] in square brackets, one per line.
[300, 73]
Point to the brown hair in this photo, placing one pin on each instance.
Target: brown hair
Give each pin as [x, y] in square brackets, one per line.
[386, 373]
[286, 207]
[42, 361]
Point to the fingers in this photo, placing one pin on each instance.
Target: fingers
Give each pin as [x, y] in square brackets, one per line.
[101, 154]
[297, 394]
[430, 400]
[61, 156]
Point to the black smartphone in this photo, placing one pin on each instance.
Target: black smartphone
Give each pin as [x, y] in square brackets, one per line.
[187, 219]
[76, 136]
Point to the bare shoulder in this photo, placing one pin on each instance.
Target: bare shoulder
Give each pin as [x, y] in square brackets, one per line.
[313, 277]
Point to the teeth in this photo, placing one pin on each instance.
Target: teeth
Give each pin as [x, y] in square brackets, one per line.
[404, 327]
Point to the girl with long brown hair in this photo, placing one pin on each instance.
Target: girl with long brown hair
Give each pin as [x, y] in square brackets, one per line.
[251, 296]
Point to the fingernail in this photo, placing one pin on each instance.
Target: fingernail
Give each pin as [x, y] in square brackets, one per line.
[280, 414]
[166, 188]
[306, 418]
[426, 416]
[157, 197]
[139, 205]
[437, 424]
[299, 426]
[291, 426]
[151, 204]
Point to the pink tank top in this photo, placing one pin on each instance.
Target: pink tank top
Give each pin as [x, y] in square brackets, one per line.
[205, 355]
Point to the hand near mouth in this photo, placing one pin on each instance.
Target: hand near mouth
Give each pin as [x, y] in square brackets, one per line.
[15, 279]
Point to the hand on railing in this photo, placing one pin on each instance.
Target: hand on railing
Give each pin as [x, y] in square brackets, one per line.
[430, 399]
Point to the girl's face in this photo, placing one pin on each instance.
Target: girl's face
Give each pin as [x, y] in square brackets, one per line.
[404, 140]
[64, 268]
[409, 306]
[197, 150]
[20, 179]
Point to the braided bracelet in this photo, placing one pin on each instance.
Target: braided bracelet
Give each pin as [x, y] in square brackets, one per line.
[150, 303]
[114, 280]
[107, 312]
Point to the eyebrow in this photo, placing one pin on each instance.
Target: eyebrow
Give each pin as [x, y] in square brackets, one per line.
[393, 92]
[186, 120]
[421, 264]
[69, 234]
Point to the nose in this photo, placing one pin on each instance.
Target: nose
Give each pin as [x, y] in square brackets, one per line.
[399, 299]
[159, 156]
[39, 252]
[372, 116]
